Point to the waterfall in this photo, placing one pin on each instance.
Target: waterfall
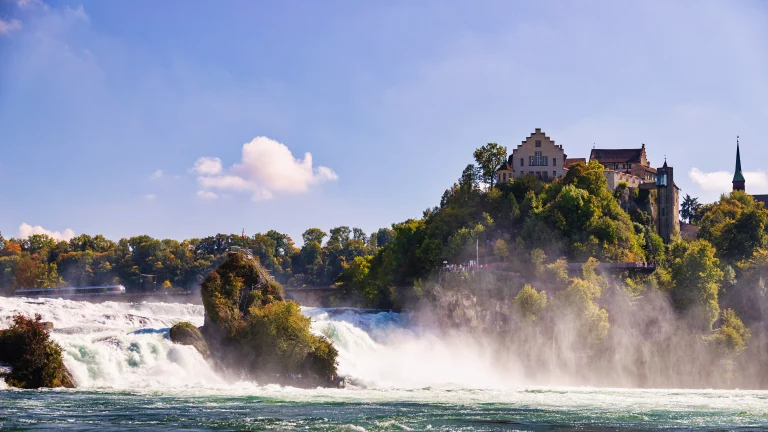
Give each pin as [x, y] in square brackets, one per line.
[126, 346]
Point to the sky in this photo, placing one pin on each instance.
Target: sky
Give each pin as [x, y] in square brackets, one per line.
[183, 119]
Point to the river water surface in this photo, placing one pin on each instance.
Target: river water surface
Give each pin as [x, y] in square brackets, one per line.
[131, 377]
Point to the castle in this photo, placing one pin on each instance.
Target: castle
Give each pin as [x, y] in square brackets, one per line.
[538, 155]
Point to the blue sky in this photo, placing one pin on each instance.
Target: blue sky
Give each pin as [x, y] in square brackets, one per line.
[106, 108]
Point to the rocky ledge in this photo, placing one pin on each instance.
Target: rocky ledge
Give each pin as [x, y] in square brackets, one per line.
[251, 330]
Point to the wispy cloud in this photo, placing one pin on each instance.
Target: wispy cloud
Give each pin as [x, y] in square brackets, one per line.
[31, 4]
[722, 181]
[267, 167]
[156, 175]
[26, 230]
[8, 27]
[150, 197]
[206, 194]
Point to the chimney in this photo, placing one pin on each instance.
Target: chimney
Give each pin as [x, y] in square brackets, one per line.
[538, 130]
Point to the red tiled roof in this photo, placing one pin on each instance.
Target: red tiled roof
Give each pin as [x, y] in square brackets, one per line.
[569, 161]
[762, 198]
[617, 155]
[505, 167]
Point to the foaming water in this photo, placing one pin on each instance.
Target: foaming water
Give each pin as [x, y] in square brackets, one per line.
[382, 350]
[130, 375]
[120, 345]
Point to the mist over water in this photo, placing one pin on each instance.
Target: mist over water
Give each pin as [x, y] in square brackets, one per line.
[403, 375]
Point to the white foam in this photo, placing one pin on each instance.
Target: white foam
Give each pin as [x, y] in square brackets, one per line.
[113, 345]
[120, 345]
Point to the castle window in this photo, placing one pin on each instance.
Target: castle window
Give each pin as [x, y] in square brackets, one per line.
[554, 174]
[538, 160]
[521, 162]
[538, 143]
[554, 161]
[505, 176]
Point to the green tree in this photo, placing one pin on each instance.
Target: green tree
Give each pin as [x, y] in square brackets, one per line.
[530, 303]
[696, 278]
[356, 278]
[500, 249]
[735, 225]
[689, 210]
[732, 337]
[577, 305]
[489, 158]
[384, 236]
[314, 235]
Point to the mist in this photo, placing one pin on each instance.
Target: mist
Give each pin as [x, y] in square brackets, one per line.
[471, 334]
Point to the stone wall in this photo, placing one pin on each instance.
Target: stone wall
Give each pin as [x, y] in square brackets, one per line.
[616, 177]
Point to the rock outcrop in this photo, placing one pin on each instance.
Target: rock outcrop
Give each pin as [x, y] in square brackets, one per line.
[185, 333]
[34, 359]
[250, 330]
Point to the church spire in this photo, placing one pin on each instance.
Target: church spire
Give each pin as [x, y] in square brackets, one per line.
[738, 177]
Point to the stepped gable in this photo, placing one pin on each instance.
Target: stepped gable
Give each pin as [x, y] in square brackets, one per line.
[538, 131]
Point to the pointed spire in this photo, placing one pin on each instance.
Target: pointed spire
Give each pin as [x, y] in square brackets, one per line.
[738, 176]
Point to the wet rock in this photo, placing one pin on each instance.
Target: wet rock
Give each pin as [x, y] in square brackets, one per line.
[185, 333]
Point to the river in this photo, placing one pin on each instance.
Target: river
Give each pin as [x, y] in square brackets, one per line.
[131, 377]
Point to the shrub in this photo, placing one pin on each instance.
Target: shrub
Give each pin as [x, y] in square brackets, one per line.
[34, 358]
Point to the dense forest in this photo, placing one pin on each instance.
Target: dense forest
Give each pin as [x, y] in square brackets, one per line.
[143, 263]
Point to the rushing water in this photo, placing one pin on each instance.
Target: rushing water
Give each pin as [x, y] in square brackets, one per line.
[131, 377]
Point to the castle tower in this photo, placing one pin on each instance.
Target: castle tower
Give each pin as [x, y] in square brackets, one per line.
[738, 177]
[668, 203]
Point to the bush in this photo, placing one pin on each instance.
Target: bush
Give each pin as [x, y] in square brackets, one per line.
[34, 358]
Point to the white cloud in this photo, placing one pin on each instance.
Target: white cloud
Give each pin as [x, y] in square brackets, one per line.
[150, 197]
[156, 175]
[7, 27]
[26, 230]
[208, 166]
[267, 167]
[206, 194]
[226, 182]
[722, 181]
